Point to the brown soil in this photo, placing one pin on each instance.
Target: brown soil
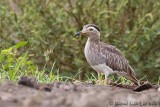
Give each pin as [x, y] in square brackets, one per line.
[29, 93]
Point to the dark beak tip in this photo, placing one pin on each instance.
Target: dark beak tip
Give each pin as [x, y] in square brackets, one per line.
[78, 34]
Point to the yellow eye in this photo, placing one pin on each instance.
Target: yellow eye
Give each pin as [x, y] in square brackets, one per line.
[91, 29]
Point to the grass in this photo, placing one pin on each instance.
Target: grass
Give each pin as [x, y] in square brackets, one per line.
[13, 66]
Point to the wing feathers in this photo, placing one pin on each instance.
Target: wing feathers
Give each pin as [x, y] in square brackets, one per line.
[114, 58]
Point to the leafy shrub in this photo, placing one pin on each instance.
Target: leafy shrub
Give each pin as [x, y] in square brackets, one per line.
[131, 25]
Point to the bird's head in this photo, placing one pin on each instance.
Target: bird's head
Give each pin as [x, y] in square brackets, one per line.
[90, 30]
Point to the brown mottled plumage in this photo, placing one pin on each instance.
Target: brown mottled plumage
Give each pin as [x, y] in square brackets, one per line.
[105, 58]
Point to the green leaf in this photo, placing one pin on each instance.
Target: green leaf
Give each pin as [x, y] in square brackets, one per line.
[135, 57]
[7, 51]
[20, 44]
[1, 57]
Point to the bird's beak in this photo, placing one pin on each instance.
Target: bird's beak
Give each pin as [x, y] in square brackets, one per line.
[78, 33]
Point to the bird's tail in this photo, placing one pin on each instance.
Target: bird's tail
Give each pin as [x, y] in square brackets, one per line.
[132, 76]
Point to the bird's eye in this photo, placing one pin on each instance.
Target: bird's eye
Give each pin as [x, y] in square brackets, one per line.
[91, 29]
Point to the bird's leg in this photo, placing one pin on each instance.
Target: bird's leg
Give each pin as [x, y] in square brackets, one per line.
[105, 80]
[99, 78]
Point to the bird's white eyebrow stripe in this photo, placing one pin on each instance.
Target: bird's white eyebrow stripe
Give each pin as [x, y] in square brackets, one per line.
[90, 27]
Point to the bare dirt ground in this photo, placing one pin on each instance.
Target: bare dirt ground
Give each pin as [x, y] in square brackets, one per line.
[29, 93]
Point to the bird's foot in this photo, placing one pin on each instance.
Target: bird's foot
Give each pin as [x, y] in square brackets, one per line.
[99, 82]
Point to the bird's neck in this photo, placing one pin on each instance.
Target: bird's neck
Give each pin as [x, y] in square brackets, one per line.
[93, 39]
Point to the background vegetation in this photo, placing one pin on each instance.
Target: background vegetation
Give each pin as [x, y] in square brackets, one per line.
[37, 35]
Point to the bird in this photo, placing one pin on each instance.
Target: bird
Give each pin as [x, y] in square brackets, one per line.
[104, 58]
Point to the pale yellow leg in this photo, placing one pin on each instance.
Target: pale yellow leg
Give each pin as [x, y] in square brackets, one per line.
[99, 79]
[105, 80]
